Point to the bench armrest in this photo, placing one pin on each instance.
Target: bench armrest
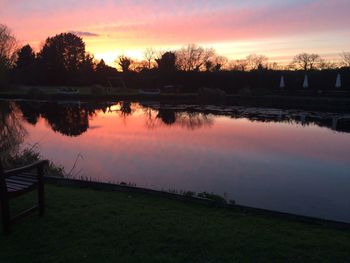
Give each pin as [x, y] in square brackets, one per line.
[38, 164]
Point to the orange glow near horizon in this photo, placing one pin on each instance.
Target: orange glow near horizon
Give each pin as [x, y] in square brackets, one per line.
[277, 29]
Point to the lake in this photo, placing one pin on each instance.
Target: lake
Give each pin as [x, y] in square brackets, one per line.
[286, 160]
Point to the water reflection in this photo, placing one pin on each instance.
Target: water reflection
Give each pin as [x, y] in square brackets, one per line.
[285, 160]
[12, 132]
[72, 118]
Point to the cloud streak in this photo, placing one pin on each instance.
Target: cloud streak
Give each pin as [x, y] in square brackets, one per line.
[84, 34]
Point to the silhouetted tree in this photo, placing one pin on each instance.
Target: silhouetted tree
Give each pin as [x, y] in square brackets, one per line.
[326, 64]
[139, 66]
[103, 72]
[124, 62]
[345, 59]
[256, 62]
[87, 70]
[7, 45]
[150, 55]
[61, 57]
[101, 65]
[306, 61]
[208, 65]
[193, 57]
[26, 65]
[7, 51]
[167, 62]
[238, 65]
[219, 62]
[25, 57]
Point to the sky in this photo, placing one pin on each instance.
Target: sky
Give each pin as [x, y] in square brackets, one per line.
[235, 28]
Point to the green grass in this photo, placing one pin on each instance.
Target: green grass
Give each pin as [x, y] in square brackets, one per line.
[83, 225]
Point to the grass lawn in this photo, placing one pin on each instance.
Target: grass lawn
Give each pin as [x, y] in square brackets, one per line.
[83, 225]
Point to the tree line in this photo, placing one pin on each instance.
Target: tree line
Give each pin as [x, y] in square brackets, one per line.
[63, 60]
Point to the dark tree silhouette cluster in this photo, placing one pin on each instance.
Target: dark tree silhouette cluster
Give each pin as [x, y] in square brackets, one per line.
[63, 60]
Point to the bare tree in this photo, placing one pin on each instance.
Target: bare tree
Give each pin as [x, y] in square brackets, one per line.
[215, 63]
[208, 65]
[150, 55]
[306, 61]
[138, 66]
[325, 64]
[220, 62]
[345, 57]
[124, 62]
[7, 45]
[274, 66]
[238, 65]
[255, 61]
[7, 52]
[193, 57]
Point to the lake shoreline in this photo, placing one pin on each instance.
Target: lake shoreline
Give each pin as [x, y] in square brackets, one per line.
[77, 183]
[306, 102]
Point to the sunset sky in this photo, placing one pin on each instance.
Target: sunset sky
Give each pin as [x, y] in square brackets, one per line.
[235, 28]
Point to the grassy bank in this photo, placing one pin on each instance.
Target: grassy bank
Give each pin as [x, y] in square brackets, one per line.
[84, 225]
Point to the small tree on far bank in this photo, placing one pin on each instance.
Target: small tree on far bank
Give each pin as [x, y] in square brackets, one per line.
[25, 57]
[61, 58]
[150, 55]
[193, 57]
[8, 46]
[167, 62]
[345, 59]
[256, 62]
[7, 52]
[306, 61]
[124, 62]
[25, 65]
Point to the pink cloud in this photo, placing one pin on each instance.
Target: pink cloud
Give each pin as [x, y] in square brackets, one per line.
[177, 22]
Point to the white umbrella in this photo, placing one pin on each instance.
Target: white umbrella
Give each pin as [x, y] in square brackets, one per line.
[306, 82]
[282, 83]
[338, 81]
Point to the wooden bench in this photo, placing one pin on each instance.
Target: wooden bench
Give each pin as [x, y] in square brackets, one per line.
[16, 182]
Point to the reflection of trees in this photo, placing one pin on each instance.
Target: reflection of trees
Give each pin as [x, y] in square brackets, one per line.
[184, 119]
[30, 111]
[167, 116]
[73, 119]
[125, 108]
[337, 122]
[70, 120]
[193, 120]
[11, 131]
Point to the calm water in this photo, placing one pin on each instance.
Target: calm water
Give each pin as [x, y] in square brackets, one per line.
[290, 161]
